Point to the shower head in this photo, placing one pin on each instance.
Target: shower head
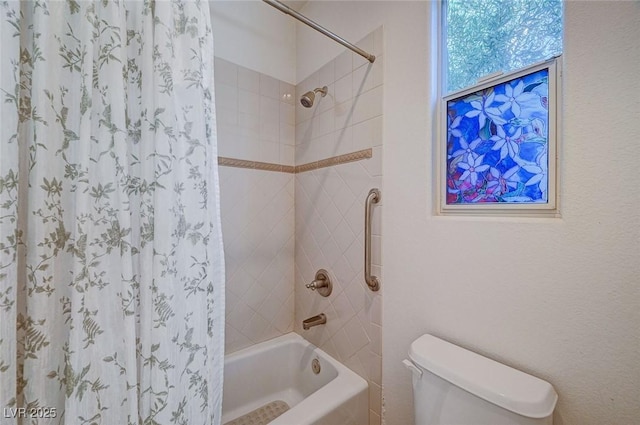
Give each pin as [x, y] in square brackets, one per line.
[307, 99]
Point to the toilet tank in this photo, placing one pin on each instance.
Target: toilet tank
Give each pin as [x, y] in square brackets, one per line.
[455, 386]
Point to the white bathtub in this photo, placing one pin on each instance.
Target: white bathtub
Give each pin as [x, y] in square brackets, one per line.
[281, 369]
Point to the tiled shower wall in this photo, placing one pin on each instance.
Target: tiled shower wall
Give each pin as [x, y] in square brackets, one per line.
[261, 123]
[329, 212]
[256, 123]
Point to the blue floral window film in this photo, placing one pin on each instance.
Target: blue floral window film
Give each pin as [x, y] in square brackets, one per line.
[497, 143]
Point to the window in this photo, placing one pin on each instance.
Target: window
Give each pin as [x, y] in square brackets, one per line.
[485, 36]
[498, 132]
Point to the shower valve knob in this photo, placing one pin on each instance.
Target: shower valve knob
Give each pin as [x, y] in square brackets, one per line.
[317, 284]
[322, 283]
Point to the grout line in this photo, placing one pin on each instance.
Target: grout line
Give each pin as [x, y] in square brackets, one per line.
[314, 165]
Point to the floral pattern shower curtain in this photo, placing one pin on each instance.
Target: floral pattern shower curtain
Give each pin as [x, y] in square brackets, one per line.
[111, 263]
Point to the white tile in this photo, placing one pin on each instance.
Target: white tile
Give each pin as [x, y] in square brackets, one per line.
[269, 110]
[246, 148]
[374, 418]
[376, 251]
[363, 135]
[248, 102]
[249, 122]
[377, 131]
[343, 64]
[325, 123]
[240, 283]
[355, 218]
[343, 198]
[343, 272]
[324, 146]
[227, 136]
[319, 230]
[269, 234]
[230, 300]
[226, 116]
[270, 132]
[225, 72]
[375, 313]
[287, 93]
[270, 307]
[255, 296]
[287, 134]
[326, 74]
[343, 307]
[283, 321]
[239, 315]
[270, 333]
[304, 132]
[373, 165]
[329, 213]
[270, 152]
[354, 255]
[255, 328]
[356, 292]
[235, 340]
[367, 105]
[248, 80]
[343, 114]
[226, 96]
[357, 178]
[287, 114]
[343, 236]
[356, 334]
[376, 339]
[375, 368]
[367, 76]
[343, 89]
[344, 141]
[269, 87]
[343, 345]
[355, 364]
[330, 348]
[375, 398]
[331, 181]
[287, 154]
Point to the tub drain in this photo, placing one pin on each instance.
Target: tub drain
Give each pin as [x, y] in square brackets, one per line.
[315, 366]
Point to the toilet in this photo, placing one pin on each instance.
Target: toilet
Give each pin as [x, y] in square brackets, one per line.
[455, 386]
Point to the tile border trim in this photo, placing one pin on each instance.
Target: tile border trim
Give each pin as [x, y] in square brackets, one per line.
[255, 165]
[323, 163]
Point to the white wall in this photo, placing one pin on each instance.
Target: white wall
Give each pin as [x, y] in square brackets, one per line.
[557, 298]
[255, 35]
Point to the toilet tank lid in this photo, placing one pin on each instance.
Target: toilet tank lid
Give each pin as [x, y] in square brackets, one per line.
[494, 382]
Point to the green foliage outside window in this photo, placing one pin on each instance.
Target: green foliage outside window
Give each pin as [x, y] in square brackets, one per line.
[485, 36]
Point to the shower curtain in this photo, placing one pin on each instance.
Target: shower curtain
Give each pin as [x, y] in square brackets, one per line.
[111, 261]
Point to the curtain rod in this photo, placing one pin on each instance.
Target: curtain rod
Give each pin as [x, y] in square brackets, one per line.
[286, 9]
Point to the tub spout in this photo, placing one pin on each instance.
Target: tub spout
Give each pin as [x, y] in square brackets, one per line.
[320, 319]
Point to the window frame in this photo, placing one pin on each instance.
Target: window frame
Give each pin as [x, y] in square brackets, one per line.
[550, 208]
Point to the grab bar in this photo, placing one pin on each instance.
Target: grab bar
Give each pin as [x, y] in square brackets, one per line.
[372, 198]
